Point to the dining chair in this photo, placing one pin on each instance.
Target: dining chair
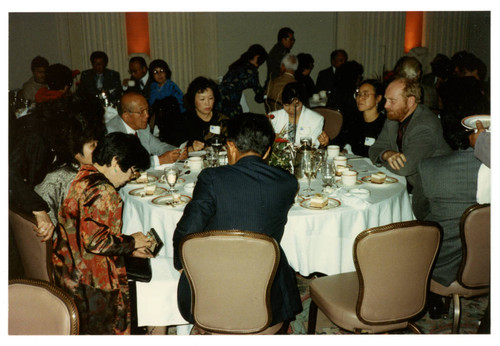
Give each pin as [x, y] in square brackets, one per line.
[333, 121]
[230, 274]
[272, 105]
[388, 289]
[474, 274]
[35, 255]
[37, 307]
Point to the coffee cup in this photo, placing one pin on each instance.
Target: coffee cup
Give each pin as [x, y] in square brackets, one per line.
[333, 151]
[339, 169]
[131, 83]
[349, 177]
[340, 161]
[195, 163]
[315, 97]
[150, 189]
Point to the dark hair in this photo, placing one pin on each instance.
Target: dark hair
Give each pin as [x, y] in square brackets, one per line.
[161, 64]
[333, 54]
[199, 85]
[39, 61]
[251, 132]
[306, 61]
[99, 55]
[348, 75]
[58, 77]
[284, 32]
[441, 66]
[470, 62]
[251, 52]
[140, 60]
[127, 149]
[294, 90]
[379, 89]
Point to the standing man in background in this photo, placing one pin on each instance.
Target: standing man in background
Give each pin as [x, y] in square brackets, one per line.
[285, 43]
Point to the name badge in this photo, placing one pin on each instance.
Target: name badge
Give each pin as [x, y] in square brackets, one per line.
[369, 141]
[215, 129]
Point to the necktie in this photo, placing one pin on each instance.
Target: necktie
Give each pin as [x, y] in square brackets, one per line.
[142, 84]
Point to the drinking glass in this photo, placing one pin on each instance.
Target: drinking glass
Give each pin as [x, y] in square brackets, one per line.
[212, 157]
[307, 169]
[171, 177]
[328, 173]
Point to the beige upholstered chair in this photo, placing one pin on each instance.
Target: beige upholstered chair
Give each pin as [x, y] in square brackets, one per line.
[388, 288]
[333, 121]
[230, 274]
[272, 105]
[37, 307]
[474, 274]
[35, 254]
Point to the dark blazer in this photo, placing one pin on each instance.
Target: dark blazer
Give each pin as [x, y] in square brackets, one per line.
[250, 196]
[111, 83]
[423, 138]
[325, 80]
[449, 182]
[146, 91]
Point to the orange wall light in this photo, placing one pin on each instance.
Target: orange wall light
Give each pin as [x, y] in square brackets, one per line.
[137, 32]
[413, 30]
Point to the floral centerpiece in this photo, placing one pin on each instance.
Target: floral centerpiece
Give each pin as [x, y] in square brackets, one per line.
[282, 152]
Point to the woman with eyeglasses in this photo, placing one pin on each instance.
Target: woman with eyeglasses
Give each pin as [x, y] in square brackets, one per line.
[163, 86]
[368, 122]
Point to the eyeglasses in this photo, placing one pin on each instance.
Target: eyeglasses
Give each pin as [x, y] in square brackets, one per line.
[158, 71]
[145, 111]
[363, 95]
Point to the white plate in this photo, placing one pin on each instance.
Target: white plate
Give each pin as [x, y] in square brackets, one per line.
[388, 180]
[197, 153]
[167, 200]
[332, 203]
[189, 187]
[139, 192]
[341, 184]
[470, 122]
[151, 179]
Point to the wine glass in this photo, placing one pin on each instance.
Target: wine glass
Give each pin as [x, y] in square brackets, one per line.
[171, 177]
[212, 157]
[328, 173]
[307, 169]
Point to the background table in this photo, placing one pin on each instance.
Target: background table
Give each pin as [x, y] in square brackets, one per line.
[314, 240]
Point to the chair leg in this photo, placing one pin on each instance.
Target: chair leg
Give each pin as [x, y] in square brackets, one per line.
[456, 314]
[413, 327]
[313, 314]
[447, 301]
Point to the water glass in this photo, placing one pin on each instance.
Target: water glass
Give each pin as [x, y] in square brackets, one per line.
[328, 173]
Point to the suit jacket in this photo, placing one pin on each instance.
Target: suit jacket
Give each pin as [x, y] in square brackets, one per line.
[111, 83]
[325, 80]
[275, 89]
[423, 138]
[146, 92]
[152, 144]
[449, 182]
[249, 195]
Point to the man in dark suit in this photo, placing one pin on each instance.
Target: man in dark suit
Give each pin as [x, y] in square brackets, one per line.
[139, 74]
[99, 78]
[325, 80]
[286, 40]
[250, 195]
[410, 134]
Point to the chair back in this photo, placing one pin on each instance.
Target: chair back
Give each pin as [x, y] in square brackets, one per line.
[475, 233]
[333, 121]
[35, 254]
[230, 274]
[272, 105]
[394, 263]
[37, 307]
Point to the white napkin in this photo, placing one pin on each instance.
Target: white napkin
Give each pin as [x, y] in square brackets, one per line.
[351, 200]
[483, 185]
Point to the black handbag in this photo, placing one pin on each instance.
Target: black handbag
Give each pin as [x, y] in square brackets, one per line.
[139, 269]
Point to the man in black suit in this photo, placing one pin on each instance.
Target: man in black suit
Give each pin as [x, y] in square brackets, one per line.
[99, 78]
[325, 79]
[139, 74]
[247, 194]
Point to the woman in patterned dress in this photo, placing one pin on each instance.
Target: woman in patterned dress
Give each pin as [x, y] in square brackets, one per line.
[89, 250]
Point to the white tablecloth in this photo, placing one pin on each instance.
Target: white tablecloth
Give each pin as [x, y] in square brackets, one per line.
[314, 240]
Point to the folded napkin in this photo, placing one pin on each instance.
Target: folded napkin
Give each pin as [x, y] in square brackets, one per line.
[351, 200]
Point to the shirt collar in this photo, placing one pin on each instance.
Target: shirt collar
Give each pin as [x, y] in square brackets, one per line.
[129, 130]
[145, 78]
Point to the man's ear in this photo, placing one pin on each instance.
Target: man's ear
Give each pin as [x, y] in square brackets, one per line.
[411, 101]
[232, 152]
[266, 155]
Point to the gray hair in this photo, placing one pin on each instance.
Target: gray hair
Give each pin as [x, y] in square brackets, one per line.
[290, 62]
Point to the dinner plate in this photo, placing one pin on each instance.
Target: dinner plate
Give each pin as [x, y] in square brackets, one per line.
[168, 200]
[341, 184]
[197, 153]
[388, 180]
[332, 203]
[140, 192]
[470, 121]
[151, 179]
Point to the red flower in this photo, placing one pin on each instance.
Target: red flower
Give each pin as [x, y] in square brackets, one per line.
[270, 116]
[281, 140]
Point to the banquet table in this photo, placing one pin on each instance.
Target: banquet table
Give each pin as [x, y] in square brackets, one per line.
[313, 241]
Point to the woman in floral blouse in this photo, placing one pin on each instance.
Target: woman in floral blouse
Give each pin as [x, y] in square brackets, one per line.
[243, 74]
[89, 250]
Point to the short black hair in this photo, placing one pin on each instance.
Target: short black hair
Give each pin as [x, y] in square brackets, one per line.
[161, 64]
[251, 132]
[59, 76]
[284, 32]
[198, 85]
[294, 90]
[333, 55]
[39, 61]
[126, 147]
[140, 60]
[99, 55]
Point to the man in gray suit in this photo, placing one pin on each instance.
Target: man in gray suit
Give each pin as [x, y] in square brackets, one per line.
[411, 133]
[133, 119]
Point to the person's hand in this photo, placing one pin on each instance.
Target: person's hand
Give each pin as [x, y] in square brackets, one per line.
[45, 227]
[141, 240]
[184, 154]
[395, 159]
[142, 252]
[170, 156]
[197, 145]
[323, 139]
[475, 134]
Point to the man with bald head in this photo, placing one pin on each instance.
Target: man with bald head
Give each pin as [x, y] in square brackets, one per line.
[133, 119]
[411, 132]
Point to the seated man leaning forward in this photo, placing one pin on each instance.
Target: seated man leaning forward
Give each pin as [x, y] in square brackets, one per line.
[133, 119]
[248, 195]
[411, 132]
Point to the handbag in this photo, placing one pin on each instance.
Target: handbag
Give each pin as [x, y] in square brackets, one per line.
[139, 269]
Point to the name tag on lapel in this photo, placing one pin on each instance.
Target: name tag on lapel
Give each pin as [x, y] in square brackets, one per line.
[369, 141]
[215, 129]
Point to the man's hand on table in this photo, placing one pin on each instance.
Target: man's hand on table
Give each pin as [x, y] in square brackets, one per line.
[396, 160]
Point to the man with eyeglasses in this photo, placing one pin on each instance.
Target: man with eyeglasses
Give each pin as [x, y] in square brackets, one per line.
[286, 40]
[411, 133]
[133, 119]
